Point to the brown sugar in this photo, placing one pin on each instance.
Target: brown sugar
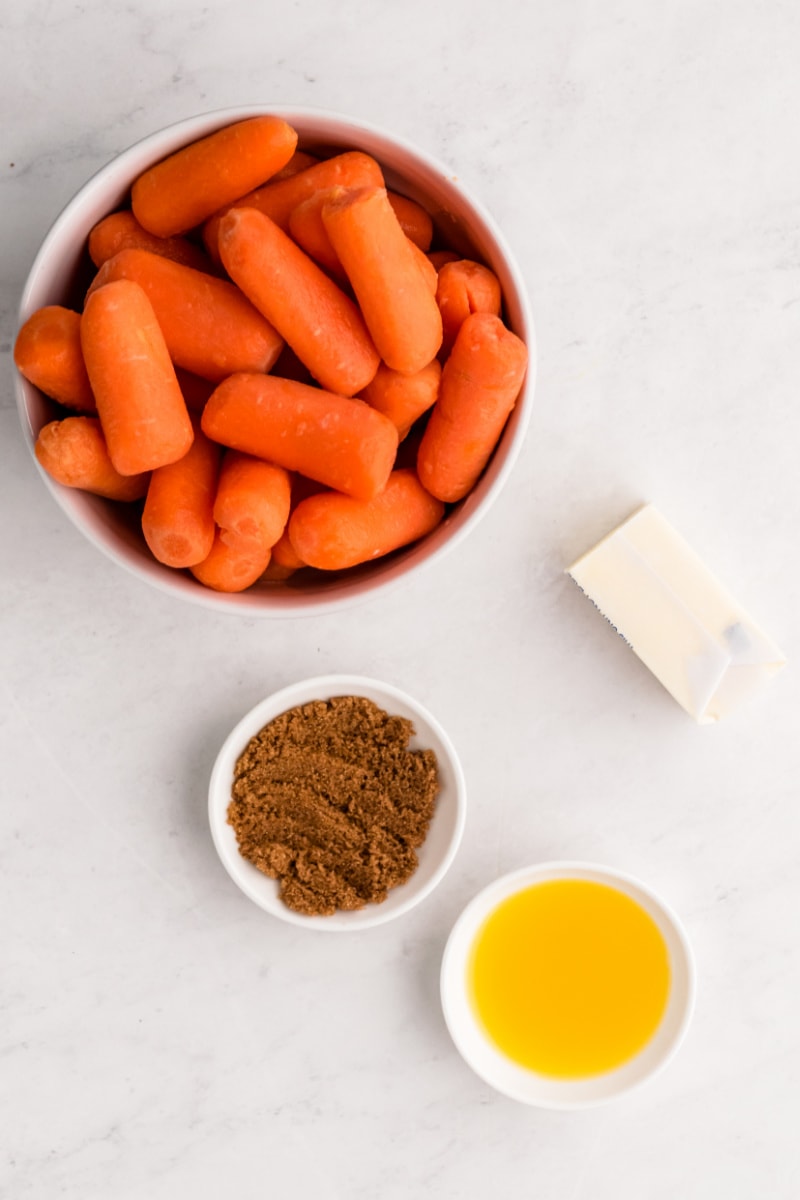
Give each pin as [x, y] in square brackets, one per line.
[329, 800]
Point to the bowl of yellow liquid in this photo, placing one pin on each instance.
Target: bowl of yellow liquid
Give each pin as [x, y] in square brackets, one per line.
[567, 984]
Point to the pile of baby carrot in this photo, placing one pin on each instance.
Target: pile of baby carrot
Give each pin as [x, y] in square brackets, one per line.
[272, 363]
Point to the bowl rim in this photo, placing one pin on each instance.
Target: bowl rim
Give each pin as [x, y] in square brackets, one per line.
[280, 604]
[526, 1086]
[303, 691]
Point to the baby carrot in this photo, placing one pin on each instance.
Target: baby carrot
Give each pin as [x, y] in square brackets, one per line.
[232, 567]
[464, 287]
[415, 222]
[252, 500]
[333, 532]
[277, 199]
[308, 229]
[74, 453]
[210, 328]
[181, 191]
[350, 169]
[121, 231]
[48, 353]
[398, 306]
[139, 401]
[178, 519]
[440, 257]
[250, 510]
[284, 554]
[480, 384]
[297, 163]
[429, 272]
[321, 324]
[276, 572]
[403, 398]
[339, 442]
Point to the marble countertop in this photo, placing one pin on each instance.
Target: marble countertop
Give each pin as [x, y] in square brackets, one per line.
[161, 1036]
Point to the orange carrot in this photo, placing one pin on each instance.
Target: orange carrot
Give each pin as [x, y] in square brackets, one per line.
[252, 500]
[427, 268]
[403, 398]
[183, 190]
[74, 453]
[211, 329]
[352, 168]
[339, 442]
[415, 222]
[440, 257]
[284, 554]
[121, 231]
[480, 384]
[321, 324]
[297, 163]
[178, 518]
[308, 229]
[48, 353]
[232, 567]
[251, 510]
[349, 169]
[398, 306]
[277, 199]
[332, 532]
[139, 401]
[276, 572]
[465, 287]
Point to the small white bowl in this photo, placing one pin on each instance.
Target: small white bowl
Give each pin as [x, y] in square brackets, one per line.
[61, 272]
[444, 834]
[528, 1086]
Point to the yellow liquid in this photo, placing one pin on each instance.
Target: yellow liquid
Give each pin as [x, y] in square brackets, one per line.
[569, 978]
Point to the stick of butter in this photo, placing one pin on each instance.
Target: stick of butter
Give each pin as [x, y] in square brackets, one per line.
[666, 604]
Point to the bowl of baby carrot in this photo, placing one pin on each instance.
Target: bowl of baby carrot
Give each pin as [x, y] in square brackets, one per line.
[273, 361]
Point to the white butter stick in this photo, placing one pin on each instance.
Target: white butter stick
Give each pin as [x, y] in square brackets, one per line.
[659, 595]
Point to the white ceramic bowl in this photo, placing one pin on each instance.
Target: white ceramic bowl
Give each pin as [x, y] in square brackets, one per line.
[436, 853]
[525, 1085]
[60, 274]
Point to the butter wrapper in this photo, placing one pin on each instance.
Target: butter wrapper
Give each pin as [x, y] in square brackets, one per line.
[662, 599]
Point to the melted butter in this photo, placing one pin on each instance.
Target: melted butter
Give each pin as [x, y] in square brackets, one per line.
[569, 978]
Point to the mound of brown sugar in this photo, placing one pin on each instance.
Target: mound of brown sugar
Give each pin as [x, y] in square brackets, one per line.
[329, 800]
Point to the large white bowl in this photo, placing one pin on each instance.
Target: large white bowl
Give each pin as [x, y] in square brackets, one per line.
[60, 273]
[528, 1086]
[444, 834]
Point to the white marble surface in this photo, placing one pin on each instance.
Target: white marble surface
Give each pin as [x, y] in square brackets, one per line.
[162, 1037]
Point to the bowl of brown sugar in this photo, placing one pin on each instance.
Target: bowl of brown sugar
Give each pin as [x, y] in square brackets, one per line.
[337, 803]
